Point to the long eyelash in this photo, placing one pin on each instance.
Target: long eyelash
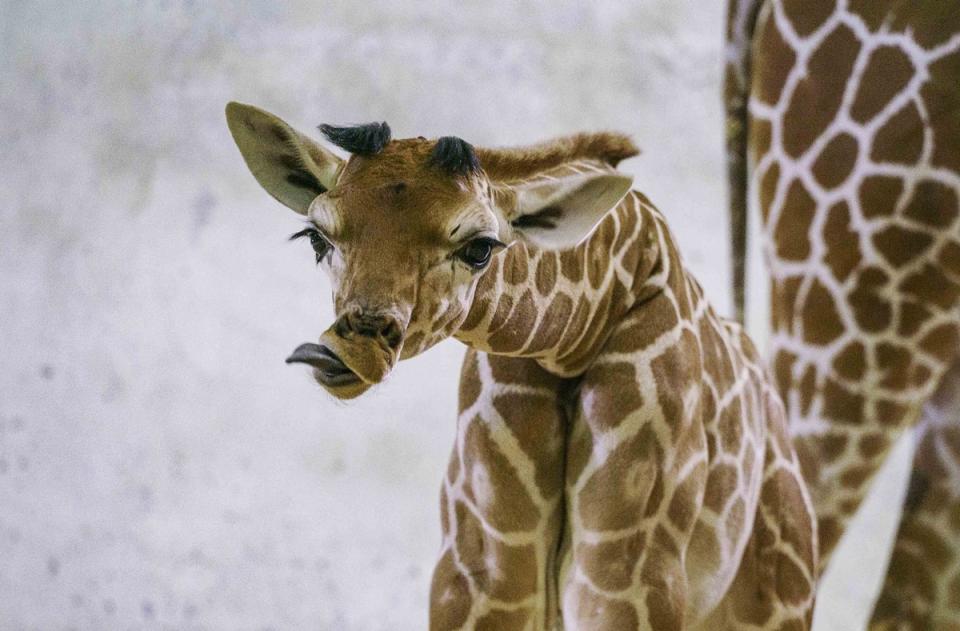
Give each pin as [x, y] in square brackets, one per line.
[306, 232]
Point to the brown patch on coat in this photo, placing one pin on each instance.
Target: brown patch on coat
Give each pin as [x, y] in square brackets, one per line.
[893, 362]
[836, 161]
[721, 484]
[842, 242]
[872, 445]
[499, 570]
[783, 365]
[929, 22]
[871, 309]
[942, 95]
[535, 422]
[890, 413]
[450, 599]
[840, 405]
[932, 203]
[513, 334]
[833, 445]
[941, 342]
[901, 245]
[768, 188]
[913, 315]
[818, 96]
[887, 73]
[609, 394]
[783, 300]
[515, 510]
[498, 620]
[929, 285]
[596, 611]
[501, 313]
[621, 490]
[879, 195]
[821, 320]
[873, 12]
[851, 362]
[546, 275]
[791, 235]
[470, 384]
[775, 60]
[552, 324]
[900, 140]
[807, 388]
[516, 267]
[610, 564]
[571, 264]
[806, 16]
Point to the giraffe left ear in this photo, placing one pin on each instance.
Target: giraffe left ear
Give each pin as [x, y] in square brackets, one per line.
[560, 213]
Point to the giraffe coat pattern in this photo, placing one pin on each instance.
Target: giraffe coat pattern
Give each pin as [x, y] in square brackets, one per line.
[622, 458]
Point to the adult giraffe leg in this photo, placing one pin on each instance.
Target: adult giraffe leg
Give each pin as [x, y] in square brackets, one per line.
[741, 19]
[922, 587]
[501, 509]
[855, 139]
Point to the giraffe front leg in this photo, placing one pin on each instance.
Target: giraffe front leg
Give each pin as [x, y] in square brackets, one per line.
[632, 489]
[922, 587]
[501, 500]
[625, 566]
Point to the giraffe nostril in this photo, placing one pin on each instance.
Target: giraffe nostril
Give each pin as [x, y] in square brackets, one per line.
[379, 326]
[342, 326]
[392, 334]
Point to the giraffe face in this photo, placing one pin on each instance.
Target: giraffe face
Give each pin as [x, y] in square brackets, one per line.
[403, 245]
[404, 229]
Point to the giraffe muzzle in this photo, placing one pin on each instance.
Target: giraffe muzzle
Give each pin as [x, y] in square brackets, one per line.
[346, 368]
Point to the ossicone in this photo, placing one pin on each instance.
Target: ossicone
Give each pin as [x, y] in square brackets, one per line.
[363, 140]
[454, 156]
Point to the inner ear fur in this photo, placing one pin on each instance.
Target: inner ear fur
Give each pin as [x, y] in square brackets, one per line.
[560, 213]
[290, 166]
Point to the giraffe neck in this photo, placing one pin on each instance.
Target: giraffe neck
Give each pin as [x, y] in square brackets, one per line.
[559, 306]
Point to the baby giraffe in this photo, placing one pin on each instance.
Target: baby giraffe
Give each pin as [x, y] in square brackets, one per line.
[621, 459]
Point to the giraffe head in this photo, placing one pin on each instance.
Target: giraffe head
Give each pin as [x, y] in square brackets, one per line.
[404, 229]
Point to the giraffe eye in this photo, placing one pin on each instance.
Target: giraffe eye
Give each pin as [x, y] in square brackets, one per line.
[477, 252]
[321, 247]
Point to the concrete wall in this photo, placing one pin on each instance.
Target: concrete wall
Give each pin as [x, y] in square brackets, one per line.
[160, 467]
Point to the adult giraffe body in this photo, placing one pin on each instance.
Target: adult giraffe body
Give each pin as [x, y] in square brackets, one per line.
[851, 112]
[621, 459]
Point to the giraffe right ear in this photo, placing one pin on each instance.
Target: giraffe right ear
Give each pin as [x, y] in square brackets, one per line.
[561, 212]
[291, 167]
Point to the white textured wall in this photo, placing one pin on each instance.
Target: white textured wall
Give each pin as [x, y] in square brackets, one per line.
[160, 467]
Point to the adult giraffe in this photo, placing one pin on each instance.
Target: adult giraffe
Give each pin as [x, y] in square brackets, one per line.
[621, 459]
[851, 110]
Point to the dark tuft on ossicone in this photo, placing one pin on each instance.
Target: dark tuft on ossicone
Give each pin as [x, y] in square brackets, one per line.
[455, 156]
[363, 140]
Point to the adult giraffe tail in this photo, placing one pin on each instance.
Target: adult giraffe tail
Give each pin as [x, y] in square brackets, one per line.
[741, 18]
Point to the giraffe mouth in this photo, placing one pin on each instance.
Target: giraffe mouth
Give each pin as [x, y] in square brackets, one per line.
[328, 368]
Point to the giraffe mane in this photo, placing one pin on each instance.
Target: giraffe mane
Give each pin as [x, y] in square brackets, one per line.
[512, 163]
